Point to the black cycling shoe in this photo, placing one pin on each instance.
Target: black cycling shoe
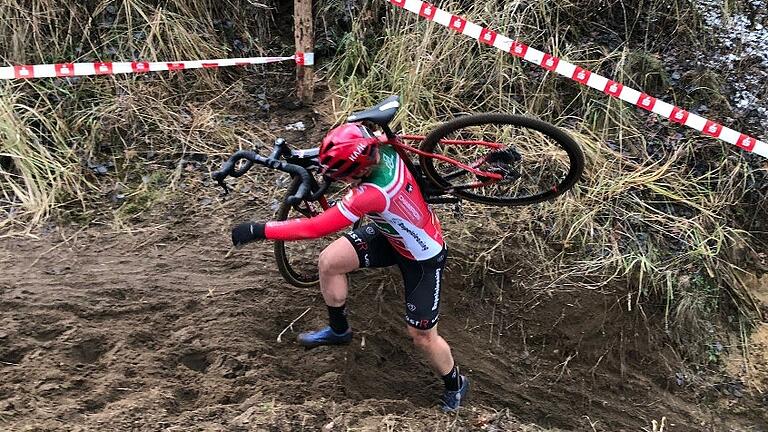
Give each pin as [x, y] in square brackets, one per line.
[324, 336]
[451, 400]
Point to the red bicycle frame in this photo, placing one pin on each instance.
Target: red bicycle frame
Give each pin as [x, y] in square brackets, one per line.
[401, 148]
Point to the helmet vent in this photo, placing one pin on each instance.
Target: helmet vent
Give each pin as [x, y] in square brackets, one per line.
[336, 166]
[352, 167]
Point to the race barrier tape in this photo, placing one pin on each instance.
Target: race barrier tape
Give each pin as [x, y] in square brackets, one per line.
[111, 68]
[585, 77]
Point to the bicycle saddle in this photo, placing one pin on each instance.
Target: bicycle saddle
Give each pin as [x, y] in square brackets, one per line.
[380, 114]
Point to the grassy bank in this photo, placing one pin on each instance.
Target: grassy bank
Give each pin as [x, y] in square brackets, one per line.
[661, 207]
[665, 209]
[72, 142]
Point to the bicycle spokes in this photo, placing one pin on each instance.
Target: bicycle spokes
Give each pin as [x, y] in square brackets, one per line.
[511, 159]
[500, 162]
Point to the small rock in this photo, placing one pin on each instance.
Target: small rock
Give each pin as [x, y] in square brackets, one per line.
[298, 126]
[100, 169]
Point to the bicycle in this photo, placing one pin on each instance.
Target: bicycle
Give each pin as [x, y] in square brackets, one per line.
[525, 171]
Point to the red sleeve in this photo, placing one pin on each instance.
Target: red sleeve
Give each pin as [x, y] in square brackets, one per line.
[362, 200]
[321, 225]
[359, 201]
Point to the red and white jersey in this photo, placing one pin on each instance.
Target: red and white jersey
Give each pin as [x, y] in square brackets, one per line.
[391, 198]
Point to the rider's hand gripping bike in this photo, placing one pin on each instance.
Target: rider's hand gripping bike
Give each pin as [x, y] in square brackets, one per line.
[495, 159]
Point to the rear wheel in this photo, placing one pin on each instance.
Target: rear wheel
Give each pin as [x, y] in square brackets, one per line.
[297, 260]
[535, 160]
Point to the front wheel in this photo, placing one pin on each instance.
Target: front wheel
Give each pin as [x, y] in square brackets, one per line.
[297, 260]
[535, 160]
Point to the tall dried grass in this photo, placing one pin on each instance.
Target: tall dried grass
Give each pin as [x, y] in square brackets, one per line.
[658, 206]
[51, 131]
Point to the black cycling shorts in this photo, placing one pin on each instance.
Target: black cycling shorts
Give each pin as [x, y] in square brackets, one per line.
[422, 279]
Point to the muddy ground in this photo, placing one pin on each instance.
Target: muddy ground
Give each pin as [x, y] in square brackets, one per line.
[155, 324]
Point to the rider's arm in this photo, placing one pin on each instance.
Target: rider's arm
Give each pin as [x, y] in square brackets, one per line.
[361, 200]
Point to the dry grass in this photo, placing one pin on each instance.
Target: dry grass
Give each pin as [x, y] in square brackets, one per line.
[655, 208]
[52, 131]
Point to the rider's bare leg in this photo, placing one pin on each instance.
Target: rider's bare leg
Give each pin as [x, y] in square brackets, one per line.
[434, 348]
[336, 260]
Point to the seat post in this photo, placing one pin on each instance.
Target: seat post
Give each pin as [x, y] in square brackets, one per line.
[388, 132]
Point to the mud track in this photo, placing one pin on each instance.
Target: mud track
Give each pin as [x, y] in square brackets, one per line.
[158, 326]
[160, 330]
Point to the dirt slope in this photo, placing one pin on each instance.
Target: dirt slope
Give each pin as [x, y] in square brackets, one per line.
[160, 330]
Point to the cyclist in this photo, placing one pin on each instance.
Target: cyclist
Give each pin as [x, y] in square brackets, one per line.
[404, 232]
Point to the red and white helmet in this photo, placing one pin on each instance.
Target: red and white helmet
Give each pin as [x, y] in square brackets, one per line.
[348, 150]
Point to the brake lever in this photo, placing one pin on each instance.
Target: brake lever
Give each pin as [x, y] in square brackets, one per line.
[322, 188]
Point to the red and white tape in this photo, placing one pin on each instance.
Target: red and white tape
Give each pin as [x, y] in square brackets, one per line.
[111, 68]
[585, 77]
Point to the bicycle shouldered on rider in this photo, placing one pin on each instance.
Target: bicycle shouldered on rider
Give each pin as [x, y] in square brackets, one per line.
[404, 232]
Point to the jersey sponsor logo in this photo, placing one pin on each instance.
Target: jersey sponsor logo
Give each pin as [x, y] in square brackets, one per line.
[423, 324]
[436, 299]
[389, 161]
[358, 242]
[412, 233]
[406, 207]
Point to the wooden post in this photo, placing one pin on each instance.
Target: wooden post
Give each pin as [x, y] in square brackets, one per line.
[305, 43]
